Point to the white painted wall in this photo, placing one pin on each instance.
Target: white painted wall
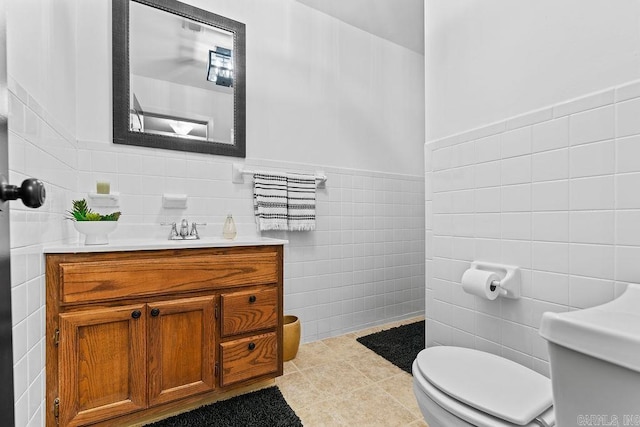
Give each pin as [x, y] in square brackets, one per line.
[491, 59]
[336, 99]
[318, 90]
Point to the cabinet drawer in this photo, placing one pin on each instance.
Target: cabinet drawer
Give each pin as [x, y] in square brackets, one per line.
[86, 281]
[249, 310]
[248, 358]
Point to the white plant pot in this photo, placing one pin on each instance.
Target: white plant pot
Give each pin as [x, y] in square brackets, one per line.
[95, 231]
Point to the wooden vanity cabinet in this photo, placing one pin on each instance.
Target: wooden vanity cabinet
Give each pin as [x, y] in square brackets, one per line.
[122, 348]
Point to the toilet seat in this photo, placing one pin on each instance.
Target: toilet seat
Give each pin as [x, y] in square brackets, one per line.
[483, 389]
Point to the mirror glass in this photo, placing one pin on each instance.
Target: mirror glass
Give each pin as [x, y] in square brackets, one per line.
[182, 77]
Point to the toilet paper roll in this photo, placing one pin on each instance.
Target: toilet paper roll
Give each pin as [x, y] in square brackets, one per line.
[478, 282]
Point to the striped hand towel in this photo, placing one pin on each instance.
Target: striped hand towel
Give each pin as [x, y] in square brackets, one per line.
[301, 202]
[270, 200]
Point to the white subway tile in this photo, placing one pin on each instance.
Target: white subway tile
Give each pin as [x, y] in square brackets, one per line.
[516, 143]
[592, 227]
[627, 194]
[550, 165]
[441, 289]
[461, 338]
[592, 193]
[628, 227]
[487, 249]
[516, 252]
[629, 91]
[442, 246]
[487, 200]
[584, 103]
[487, 226]
[463, 225]
[592, 125]
[550, 135]
[462, 201]
[592, 260]
[516, 170]
[627, 154]
[487, 174]
[127, 163]
[442, 224]
[517, 310]
[84, 160]
[516, 198]
[463, 318]
[551, 226]
[553, 257]
[443, 202]
[484, 131]
[585, 292]
[488, 327]
[104, 161]
[461, 178]
[441, 159]
[551, 287]
[517, 337]
[627, 122]
[516, 226]
[463, 154]
[627, 265]
[488, 149]
[439, 333]
[592, 159]
[152, 165]
[531, 118]
[550, 196]
[463, 248]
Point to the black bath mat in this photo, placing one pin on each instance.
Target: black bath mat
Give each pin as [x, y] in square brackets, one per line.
[262, 408]
[399, 346]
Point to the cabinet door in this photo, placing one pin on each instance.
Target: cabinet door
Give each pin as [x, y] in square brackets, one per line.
[181, 348]
[102, 369]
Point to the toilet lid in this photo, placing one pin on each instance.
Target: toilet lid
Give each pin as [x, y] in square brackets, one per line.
[487, 382]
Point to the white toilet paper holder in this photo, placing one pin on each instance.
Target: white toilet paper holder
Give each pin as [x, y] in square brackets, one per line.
[510, 283]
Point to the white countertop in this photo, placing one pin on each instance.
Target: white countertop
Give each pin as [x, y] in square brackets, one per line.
[155, 244]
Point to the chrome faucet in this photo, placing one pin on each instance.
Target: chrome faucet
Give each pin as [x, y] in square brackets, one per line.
[184, 233]
[184, 228]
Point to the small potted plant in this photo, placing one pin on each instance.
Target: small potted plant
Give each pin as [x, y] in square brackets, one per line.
[93, 225]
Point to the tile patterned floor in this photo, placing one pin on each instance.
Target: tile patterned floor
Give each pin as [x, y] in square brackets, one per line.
[339, 382]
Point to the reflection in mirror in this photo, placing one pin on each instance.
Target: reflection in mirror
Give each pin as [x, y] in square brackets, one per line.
[171, 75]
[185, 78]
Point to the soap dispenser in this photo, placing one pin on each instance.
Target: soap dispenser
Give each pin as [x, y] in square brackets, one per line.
[229, 229]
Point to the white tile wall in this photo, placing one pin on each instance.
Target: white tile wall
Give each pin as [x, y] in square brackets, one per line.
[39, 147]
[363, 266]
[555, 194]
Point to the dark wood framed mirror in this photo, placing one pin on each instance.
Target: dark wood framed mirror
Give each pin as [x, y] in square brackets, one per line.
[178, 78]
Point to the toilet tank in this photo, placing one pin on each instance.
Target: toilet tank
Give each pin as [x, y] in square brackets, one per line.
[595, 362]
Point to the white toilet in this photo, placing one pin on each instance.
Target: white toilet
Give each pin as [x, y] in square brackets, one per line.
[595, 372]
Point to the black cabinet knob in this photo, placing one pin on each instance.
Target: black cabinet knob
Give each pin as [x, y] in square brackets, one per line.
[252, 299]
[31, 192]
[136, 314]
[155, 312]
[252, 345]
